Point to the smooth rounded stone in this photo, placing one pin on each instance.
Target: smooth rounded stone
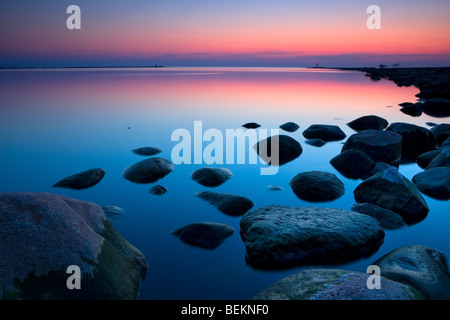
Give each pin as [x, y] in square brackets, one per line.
[158, 190]
[42, 234]
[441, 160]
[415, 140]
[333, 284]
[229, 204]
[438, 108]
[441, 131]
[391, 190]
[211, 177]
[381, 146]
[279, 237]
[317, 186]
[325, 132]
[421, 267]
[148, 171]
[425, 158]
[112, 211]
[290, 126]
[434, 182]
[315, 142]
[251, 125]
[368, 123]
[379, 166]
[288, 149]
[147, 151]
[274, 188]
[413, 110]
[405, 104]
[353, 164]
[82, 180]
[207, 235]
[431, 124]
[388, 219]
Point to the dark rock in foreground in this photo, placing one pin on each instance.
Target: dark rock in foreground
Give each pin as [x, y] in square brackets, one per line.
[388, 219]
[353, 164]
[332, 284]
[206, 235]
[211, 177]
[415, 140]
[438, 108]
[148, 171]
[251, 125]
[147, 151]
[230, 204]
[381, 146]
[278, 236]
[315, 142]
[390, 190]
[288, 149]
[290, 126]
[368, 123]
[434, 182]
[441, 131]
[325, 132]
[112, 211]
[43, 234]
[317, 186]
[82, 180]
[421, 267]
[158, 190]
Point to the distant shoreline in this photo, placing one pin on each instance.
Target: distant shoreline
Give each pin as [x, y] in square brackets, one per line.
[79, 67]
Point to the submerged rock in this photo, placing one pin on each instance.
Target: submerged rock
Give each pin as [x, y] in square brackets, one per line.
[230, 204]
[158, 190]
[332, 284]
[317, 186]
[290, 126]
[278, 236]
[211, 177]
[315, 142]
[421, 267]
[274, 188]
[391, 190]
[441, 131]
[434, 182]
[251, 125]
[288, 149]
[415, 140]
[147, 151]
[381, 146]
[324, 132]
[368, 123]
[207, 235]
[112, 211]
[353, 164]
[43, 234]
[148, 171]
[82, 180]
[388, 219]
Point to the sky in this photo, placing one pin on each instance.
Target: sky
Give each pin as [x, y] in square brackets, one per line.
[283, 33]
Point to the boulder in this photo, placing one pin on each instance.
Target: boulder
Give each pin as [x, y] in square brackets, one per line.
[317, 186]
[353, 164]
[431, 124]
[279, 237]
[211, 177]
[325, 132]
[415, 140]
[391, 190]
[43, 234]
[82, 180]
[425, 158]
[368, 123]
[315, 142]
[446, 143]
[288, 149]
[251, 125]
[147, 151]
[332, 284]
[379, 166]
[381, 146]
[421, 267]
[388, 219]
[207, 235]
[229, 204]
[158, 190]
[441, 160]
[148, 171]
[438, 108]
[413, 110]
[290, 126]
[434, 182]
[441, 131]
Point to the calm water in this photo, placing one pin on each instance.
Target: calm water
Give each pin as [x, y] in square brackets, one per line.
[55, 123]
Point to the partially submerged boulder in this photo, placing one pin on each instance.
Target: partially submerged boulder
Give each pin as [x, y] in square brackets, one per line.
[148, 171]
[388, 219]
[82, 180]
[353, 164]
[317, 186]
[434, 182]
[324, 132]
[207, 235]
[230, 204]
[370, 122]
[288, 149]
[211, 177]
